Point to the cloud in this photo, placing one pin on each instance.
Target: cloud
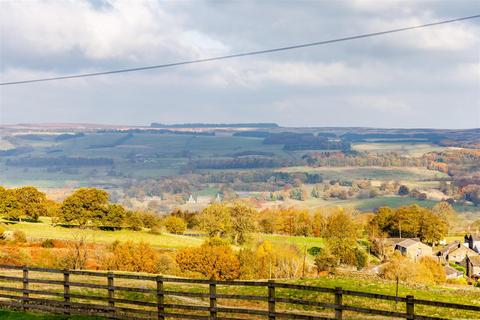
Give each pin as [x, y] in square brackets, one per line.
[415, 78]
[448, 37]
[127, 30]
[385, 104]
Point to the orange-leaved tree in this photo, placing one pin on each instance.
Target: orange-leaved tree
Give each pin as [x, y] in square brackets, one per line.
[214, 260]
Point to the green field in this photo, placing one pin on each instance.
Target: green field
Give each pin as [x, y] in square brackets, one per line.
[141, 156]
[444, 293]
[17, 315]
[43, 230]
[395, 202]
[300, 242]
[373, 173]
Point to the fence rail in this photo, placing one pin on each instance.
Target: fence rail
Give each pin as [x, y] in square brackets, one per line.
[112, 306]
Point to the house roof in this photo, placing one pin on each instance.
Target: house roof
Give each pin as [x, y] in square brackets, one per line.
[449, 248]
[395, 241]
[450, 271]
[466, 250]
[475, 260]
[410, 242]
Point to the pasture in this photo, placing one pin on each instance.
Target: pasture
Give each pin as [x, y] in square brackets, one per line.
[371, 173]
[413, 149]
[44, 230]
[345, 280]
[17, 315]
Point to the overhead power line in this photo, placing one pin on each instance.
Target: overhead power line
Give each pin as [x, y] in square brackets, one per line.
[237, 55]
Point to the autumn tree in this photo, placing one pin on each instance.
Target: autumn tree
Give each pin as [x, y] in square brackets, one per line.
[410, 222]
[114, 216]
[85, 206]
[216, 220]
[403, 190]
[77, 253]
[242, 222]
[446, 213]
[175, 224]
[22, 203]
[318, 224]
[132, 256]
[213, 260]
[341, 234]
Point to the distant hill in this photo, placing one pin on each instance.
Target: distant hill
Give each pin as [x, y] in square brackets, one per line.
[215, 125]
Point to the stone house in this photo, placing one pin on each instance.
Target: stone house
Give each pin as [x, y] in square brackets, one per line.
[455, 252]
[414, 249]
[472, 265]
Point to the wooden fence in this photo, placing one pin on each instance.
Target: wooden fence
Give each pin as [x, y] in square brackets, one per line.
[57, 295]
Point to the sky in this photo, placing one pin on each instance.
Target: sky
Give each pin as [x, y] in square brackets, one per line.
[428, 78]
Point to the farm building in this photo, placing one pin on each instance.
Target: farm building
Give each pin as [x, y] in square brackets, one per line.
[472, 265]
[413, 249]
[455, 252]
[452, 273]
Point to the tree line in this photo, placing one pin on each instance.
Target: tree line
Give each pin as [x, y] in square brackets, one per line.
[85, 207]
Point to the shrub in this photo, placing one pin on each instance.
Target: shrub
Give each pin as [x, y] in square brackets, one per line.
[427, 271]
[314, 251]
[19, 236]
[361, 258]
[166, 264]
[3, 228]
[155, 230]
[48, 243]
[437, 270]
[13, 256]
[325, 261]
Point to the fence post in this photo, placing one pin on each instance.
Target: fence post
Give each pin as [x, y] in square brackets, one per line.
[66, 291]
[111, 291]
[213, 300]
[338, 303]
[25, 287]
[410, 308]
[271, 300]
[160, 298]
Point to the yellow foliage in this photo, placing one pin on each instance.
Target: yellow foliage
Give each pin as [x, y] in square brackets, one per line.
[131, 256]
[212, 261]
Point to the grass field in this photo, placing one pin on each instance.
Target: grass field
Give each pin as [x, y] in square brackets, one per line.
[395, 202]
[44, 230]
[374, 173]
[300, 242]
[415, 149]
[16, 315]
[347, 281]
